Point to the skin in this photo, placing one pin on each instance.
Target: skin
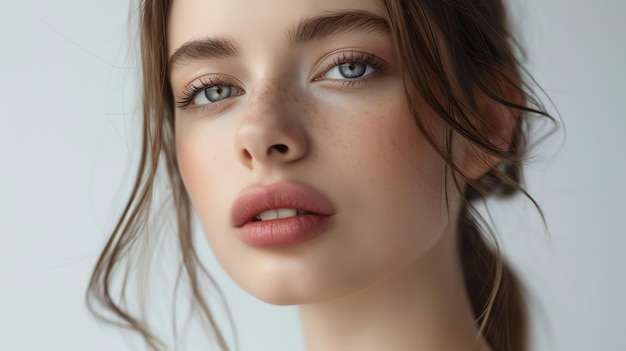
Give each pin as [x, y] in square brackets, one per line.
[386, 274]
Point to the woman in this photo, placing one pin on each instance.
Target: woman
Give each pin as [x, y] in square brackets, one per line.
[333, 151]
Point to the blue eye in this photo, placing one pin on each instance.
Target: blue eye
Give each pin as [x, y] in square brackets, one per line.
[349, 70]
[214, 94]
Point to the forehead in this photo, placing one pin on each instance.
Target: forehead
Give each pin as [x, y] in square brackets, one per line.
[250, 22]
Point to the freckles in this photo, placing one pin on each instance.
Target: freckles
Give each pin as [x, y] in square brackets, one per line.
[392, 135]
[396, 152]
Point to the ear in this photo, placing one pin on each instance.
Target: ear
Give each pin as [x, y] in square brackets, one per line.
[497, 124]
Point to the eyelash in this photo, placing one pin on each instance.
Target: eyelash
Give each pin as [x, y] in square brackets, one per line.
[192, 90]
[354, 56]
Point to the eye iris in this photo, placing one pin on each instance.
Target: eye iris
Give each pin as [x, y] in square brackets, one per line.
[352, 69]
[218, 92]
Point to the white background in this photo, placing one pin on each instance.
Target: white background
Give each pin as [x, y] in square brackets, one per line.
[68, 141]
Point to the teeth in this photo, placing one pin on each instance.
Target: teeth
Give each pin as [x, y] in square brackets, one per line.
[279, 213]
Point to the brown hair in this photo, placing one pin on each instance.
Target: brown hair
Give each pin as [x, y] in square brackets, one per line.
[450, 52]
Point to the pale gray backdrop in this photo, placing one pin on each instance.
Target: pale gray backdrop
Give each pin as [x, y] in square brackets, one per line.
[68, 141]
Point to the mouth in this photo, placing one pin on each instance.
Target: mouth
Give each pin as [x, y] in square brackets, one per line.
[280, 213]
[278, 201]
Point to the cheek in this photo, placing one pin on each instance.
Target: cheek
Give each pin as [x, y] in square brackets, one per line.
[194, 161]
[202, 168]
[386, 154]
[391, 188]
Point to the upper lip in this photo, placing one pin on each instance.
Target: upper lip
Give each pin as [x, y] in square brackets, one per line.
[257, 199]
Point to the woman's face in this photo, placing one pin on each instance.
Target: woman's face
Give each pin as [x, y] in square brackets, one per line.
[300, 103]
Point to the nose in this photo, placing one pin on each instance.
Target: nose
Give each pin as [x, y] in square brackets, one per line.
[271, 132]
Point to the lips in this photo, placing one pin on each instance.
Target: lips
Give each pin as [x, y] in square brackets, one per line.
[313, 211]
[256, 200]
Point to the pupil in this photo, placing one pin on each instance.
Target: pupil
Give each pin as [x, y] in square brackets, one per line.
[217, 92]
[352, 69]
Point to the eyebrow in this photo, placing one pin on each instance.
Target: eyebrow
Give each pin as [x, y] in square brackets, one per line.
[217, 47]
[308, 30]
[320, 27]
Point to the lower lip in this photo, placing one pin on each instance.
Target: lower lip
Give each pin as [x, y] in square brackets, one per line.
[283, 232]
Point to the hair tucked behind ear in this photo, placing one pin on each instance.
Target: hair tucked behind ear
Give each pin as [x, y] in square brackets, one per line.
[453, 53]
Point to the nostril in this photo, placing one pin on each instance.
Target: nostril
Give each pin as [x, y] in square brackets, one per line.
[282, 148]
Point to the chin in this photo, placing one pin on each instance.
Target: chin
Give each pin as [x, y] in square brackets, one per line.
[286, 290]
[293, 280]
[302, 282]
[281, 299]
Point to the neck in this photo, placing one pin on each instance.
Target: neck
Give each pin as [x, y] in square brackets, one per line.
[422, 307]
